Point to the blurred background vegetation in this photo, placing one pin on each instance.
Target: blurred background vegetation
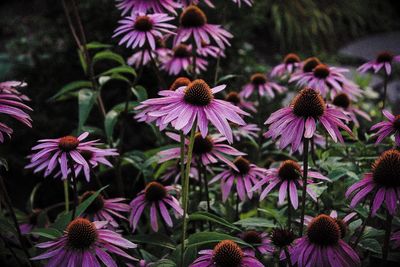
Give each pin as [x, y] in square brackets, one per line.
[36, 46]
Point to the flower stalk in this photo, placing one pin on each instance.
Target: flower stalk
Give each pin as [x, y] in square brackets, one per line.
[304, 192]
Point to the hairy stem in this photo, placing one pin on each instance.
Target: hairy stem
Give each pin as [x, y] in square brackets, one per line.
[304, 193]
[66, 195]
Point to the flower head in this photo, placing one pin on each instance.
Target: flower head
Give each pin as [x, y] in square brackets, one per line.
[226, 254]
[309, 64]
[143, 6]
[157, 197]
[290, 64]
[383, 182]
[85, 243]
[301, 117]
[343, 102]
[195, 104]
[249, 131]
[322, 246]
[386, 128]
[237, 100]
[259, 240]
[102, 209]
[193, 23]
[259, 83]
[287, 178]
[246, 175]
[208, 50]
[140, 29]
[384, 60]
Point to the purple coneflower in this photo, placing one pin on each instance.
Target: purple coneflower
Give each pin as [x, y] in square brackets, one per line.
[247, 131]
[186, 3]
[140, 29]
[193, 23]
[237, 100]
[343, 102]
[325, 79]
[84, 243]
[31, 221]
[11, 104]
[157, 197]
[66, 152]
[301, 117]
[323, 246]
[247, 2]
[386, 128]
[290, 64]
[259, 83]
[172, 173]
[208, 50]
[226, 254]
[208, 150]
[145, 55]
[308, 65]
[259, 240]
[102, 209]
[287, 178]
[143, 6]
[383, 60]
[180, 59]
[282, 239]
[383, 182]
[195, 104]
[246, 175]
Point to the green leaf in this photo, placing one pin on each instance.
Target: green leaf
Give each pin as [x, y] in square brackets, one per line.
[86, 100]
[204, 238]
[140, 93]
[163, 263]
[71, 87]
[108, 55]
[51, 233]
[97, 45]
[371, 245]
[226, 78]
[119, 70]
[109, 123]
[255, 222]
[202, 215]
[155, 239]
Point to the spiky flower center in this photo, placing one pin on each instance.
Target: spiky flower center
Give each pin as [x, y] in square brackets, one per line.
[242, 164]
[321, 71]
[289, 170]
[193, 17]
[323, 230]
[198, 93]
[81, 234]
[179, 82]
[291, 58]
[143, 24]
[227, 254]
[181, 51]
[386, 169]
[310, 63]
[233, 97]
[252, 237]
[396, 123]
[342, 100]
[258, 79]
[342, 227]
[308, 103]
[282, 237]
[384, 57]
[155, 191]
[68, 143]
[96, 205]
[202, 145]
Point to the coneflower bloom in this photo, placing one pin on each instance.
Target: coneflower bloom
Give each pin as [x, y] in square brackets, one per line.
[383, 183]
[282, 239]
[237, 100]
[247, 2]
[322, 246]
[172, 173]
[246, 175]
[53, 155]
[386, 128]
[247, 131]
[11, 104]
[383, 60]
[208, 50]
[259, 240]
[195, 103]
[140, 29]
[85, 243]
[180, 58]
[186, 3]
[193, 23]
[301, 117]
[27, 224]
[102, 209]
[143, 6]
[259, 83]
[208, 150]
[308, 65]
[343, 102]
[327, 79]
[288, 177]
[157, 197]
[226, 254]
[290, 64]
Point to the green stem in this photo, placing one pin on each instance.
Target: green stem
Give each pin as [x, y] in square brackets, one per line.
[385, 82]
[388, 230]
[185, 193]
[66, 195]
[304, 194]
